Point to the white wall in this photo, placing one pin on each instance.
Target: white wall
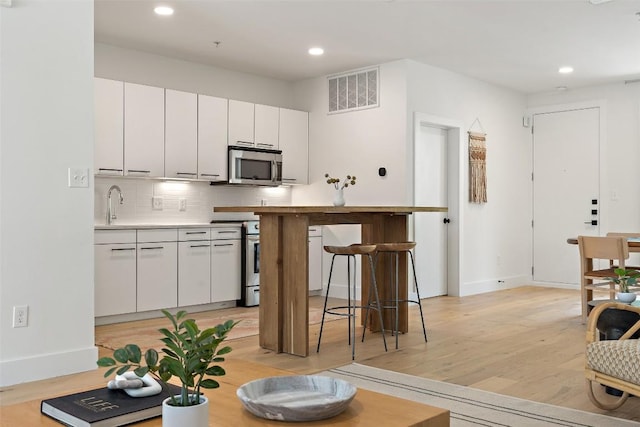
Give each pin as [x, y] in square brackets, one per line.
[134, 66]
[496, 236]
[362, 141]
[622, 140]
[46, 228]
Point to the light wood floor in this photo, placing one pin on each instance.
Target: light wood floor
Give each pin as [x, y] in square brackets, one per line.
[526, 342]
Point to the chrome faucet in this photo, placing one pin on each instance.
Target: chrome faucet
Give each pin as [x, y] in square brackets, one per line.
[111, 213]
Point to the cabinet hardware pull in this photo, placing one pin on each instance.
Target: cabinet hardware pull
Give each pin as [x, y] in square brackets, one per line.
[186, 173]
[196, 232]
[210, 174]
[225, 244]
[110, 169]
[154, 247]
[123, 249]
[198, 246]
[263, 144]
[244, 142]
[289, 179]
[227, 232]
[137, 171]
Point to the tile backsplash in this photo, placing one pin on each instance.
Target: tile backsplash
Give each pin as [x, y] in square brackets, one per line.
[199, 197]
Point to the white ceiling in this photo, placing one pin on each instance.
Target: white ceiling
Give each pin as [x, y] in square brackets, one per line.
[513, 43]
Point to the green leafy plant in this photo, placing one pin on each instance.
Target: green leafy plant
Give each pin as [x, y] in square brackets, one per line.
[190, 354]
[351, 180]
[625, 278]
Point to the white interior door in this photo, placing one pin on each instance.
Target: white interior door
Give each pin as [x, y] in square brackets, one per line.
[566, 180]
[431, 190]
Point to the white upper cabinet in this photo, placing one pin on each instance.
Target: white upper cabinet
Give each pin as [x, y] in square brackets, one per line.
[241, 116]
[266, 126]
[109, 116]
[294, 143]
[143, 130]
[181, 135]
[212, 138]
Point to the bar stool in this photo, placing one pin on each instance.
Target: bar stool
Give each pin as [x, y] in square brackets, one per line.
[394, 250]
[350, 252]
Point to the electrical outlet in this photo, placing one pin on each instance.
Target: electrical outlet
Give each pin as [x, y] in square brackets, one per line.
[78, 177]
[156, 203]
[20, 316]
[182, 204]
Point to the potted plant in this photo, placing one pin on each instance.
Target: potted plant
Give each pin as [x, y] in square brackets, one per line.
[624, 279]
[338, 199]
[190, 354]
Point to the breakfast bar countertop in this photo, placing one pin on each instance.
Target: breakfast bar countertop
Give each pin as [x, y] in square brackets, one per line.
[329, 209]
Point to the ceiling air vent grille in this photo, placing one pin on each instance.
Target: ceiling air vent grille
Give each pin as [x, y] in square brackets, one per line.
[353, 91]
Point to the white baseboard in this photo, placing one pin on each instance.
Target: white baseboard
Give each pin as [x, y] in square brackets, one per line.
[47, 365]
[498, 284]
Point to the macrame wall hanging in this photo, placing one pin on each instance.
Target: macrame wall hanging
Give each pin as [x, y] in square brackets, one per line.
[477, 165]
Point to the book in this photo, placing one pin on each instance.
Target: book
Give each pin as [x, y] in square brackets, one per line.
[104, 407]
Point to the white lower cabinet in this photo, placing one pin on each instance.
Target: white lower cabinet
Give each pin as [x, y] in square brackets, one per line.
[315, 258]
[194, 267]
[157, 275]
[115, 272]
[225, 264]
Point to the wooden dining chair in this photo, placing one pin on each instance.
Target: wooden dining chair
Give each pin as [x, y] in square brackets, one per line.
[615, 250]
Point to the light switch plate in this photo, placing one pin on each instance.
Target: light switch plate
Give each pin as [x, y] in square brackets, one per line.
[78, 177]
[182, 204]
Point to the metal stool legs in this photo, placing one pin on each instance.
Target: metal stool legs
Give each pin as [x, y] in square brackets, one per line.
[350, 252]
[395, 249]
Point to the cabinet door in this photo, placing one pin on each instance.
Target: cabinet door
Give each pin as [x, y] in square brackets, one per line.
[294, 143]
[225, 270]
[212, 138]
[143, 130]
[109, 119]
[315, 263]
[181, 134]
[241, 116]
[194, 273]
[266, 126]
[157, 275]
[115, 279]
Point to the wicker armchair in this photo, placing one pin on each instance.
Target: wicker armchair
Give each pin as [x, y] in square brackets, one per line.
[612, 362]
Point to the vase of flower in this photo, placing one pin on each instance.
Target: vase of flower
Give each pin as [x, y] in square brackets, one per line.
[338, 197]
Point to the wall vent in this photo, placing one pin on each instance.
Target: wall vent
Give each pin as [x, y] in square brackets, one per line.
[355, 90]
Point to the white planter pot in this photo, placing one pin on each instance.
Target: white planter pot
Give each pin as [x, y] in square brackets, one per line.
[182, 416]
[626, 297]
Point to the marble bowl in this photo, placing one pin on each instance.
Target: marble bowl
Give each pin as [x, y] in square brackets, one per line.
[296, 398]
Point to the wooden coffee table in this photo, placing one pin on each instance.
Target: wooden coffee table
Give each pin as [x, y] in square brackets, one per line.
[368, 408]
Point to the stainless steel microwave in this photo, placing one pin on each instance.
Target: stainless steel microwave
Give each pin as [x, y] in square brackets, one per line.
[254, 166]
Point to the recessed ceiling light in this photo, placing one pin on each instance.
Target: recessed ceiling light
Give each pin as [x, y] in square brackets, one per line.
[316, 51]
[163, 10]
[565, 70]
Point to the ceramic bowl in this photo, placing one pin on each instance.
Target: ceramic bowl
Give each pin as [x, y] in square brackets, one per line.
[296, 398]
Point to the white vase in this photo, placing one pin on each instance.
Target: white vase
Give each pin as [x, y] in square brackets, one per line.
[182, 416]
[338, 197]
[626, 297]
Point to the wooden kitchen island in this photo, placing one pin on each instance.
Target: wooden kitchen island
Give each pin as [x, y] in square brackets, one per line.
[284, 264]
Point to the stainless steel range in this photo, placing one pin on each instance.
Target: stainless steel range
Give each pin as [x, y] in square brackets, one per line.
[250, 293]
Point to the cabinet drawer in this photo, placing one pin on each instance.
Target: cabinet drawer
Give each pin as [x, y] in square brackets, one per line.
[315, 231]
[225, 233]
[158, 235]
[104, 237]
[187, 234]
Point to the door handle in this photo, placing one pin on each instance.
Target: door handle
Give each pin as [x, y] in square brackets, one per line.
[592, 222]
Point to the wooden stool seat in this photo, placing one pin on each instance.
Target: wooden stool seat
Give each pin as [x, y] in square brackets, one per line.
[395, 247]
[354, 249]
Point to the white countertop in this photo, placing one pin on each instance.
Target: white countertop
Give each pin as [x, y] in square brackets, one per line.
[148, 226]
